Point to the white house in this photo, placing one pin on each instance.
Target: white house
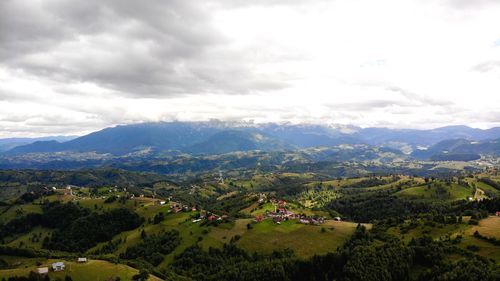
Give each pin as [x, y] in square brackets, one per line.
[42, 270]
[82, 260]
[58, 266]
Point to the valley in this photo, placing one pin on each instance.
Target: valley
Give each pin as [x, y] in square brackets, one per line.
[277, 215]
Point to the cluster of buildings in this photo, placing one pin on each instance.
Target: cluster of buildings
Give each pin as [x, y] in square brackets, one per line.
[281, 213]
[178, 207]
[209, 216]
[312, 220]
[57, 266]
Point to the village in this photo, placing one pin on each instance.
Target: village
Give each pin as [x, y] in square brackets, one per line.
[282, 211]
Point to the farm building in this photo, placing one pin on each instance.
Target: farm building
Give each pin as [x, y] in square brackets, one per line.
[82, 260]
[42, 270]
[58, 266]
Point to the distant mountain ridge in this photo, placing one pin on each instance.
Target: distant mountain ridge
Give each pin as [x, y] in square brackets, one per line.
[221, 137]
[459, 149]
[10, 143]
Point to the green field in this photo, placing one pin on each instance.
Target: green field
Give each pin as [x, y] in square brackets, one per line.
[443, 192]
[89, 271]
[489, 227]
[19, 210]
[436, 232]
[304, 240]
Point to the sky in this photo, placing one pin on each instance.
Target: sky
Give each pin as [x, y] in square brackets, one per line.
[72, 67]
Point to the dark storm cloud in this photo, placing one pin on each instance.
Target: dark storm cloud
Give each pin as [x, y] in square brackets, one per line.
[161, 49]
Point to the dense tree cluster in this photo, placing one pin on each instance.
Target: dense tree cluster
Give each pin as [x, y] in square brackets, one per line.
[76, 228]
[85, 232]
[377, 206]
[87, 177]
[372, 181]
[153, 248]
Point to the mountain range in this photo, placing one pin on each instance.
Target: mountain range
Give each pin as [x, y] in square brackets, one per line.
[209, 138]
[9, 143]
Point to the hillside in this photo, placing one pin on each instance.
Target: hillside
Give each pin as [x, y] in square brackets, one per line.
[236, 140]
[459, 150]
[235, 227]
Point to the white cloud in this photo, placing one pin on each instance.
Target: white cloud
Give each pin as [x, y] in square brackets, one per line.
[70, 69]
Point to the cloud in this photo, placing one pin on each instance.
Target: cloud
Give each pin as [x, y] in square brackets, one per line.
[487, 66]
[161, 49]
[75, 67]
[467, 4]
[424, 100]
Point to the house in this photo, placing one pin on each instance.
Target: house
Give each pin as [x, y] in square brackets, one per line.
[304, 221]
[42, 270]
[193, 209]
[282, 203]
[161, 202]
[259, 218]
[337, 219]
[58, 266]
[202, 215]
[82, 260]
[497, 213]
[196, 220]
[262, 198]
[212, 218]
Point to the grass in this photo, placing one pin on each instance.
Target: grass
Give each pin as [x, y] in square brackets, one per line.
[304, 240]
[489, 227]
[437, 232]
[27, 241]
[450, 193]
[89, 271]
[486, 249]
[487, 188]
[223, 233]
[260, 210]
[16, 210]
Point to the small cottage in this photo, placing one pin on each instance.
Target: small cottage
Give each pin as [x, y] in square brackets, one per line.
[58, 266]
[42, 270]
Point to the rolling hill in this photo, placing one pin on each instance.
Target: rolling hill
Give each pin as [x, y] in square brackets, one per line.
[459, 150]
